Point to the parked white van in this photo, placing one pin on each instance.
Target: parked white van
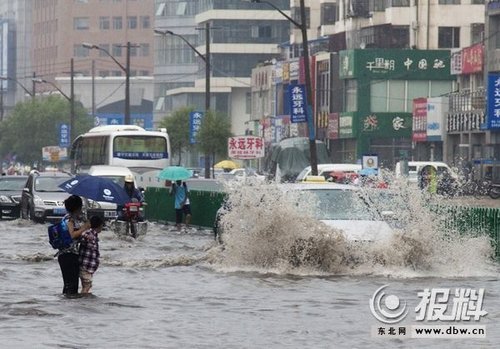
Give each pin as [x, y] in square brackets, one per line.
[325, 169]
[414, 168]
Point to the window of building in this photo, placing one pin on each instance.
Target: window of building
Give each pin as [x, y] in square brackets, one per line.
[116, 73]
[400, 36]
[295, 11]
[378, 96]
[145, 50]
[476, 33]
[400, 3]
[104, 23]
[133, 51]
[449, 37]
[132, 22]
[80, 51]
[396, 94]
[351, 95]
[262, 31]
[104, 47]
[81, 23]
[416, 89]
[449, 2]
[145, 22]
[328, 13]
[117, 23]
[144, 72]
[116, 50]
[103, 73]
[377, 5]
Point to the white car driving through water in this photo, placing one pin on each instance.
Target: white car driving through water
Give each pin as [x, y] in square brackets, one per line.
[339, 206]
[342, 207]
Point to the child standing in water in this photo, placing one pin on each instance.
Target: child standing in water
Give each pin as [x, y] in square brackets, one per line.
[89, 253]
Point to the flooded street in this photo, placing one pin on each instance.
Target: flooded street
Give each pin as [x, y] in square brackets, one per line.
[174, 290]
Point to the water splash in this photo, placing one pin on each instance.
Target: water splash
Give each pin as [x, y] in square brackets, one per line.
[265, 230]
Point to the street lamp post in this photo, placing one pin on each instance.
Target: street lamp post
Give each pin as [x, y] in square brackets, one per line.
[206, 59]
[126, 70]
[6, 78]
[305, 54]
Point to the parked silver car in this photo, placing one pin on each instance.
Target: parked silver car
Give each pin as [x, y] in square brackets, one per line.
[42, 199]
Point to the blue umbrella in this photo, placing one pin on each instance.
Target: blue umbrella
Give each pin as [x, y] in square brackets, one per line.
[175, 173]
[368, 171]
[96, 188]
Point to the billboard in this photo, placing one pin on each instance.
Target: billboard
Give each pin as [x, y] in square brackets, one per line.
[245, 147]
[494, 101]
[419, 124]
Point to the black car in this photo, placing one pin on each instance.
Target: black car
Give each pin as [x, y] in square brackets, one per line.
[11, 188]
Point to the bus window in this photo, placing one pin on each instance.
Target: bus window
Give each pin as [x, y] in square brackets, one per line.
[94, 151]
[140, 147]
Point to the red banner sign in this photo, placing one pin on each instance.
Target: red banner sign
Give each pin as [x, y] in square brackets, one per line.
[472, 59]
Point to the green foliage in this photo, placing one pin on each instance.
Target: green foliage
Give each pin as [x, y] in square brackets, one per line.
[213, 134]
[33, 125]
[177, 126]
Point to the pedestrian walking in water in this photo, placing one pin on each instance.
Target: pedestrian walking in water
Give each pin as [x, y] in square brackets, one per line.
[68, 257]
[180, 192]
[89, 253]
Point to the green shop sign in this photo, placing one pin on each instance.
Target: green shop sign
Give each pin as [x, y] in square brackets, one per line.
[386, 124]
[395, 64]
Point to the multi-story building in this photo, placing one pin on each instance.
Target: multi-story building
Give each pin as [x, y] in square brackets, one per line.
[242, 35]
[175, 63]
[15, 58]
[60, 28]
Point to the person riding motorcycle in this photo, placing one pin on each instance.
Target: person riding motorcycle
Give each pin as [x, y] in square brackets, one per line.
[134, 194]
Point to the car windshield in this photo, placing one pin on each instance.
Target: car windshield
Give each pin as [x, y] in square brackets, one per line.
[8, 184]
[337, 204]
[50, 183]
[120, 180]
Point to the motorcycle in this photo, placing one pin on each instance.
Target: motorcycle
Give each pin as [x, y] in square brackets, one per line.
[494, 190]
[131, 223]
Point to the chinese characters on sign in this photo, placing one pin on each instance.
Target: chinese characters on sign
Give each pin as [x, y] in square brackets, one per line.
[419, 120]
[245, 147]
[494, 101]
[298, 103]
[64, 135]
[195, 119]
[383, 65]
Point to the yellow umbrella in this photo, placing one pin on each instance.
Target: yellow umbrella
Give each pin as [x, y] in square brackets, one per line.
[227, 164]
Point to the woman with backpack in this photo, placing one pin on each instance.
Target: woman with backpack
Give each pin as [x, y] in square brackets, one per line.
[68, 256]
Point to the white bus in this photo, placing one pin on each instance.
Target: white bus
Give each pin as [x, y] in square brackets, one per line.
[121, 145]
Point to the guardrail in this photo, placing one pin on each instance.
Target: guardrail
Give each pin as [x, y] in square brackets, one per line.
[204, 205]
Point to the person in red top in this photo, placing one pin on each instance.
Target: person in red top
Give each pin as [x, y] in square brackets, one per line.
[89, 252]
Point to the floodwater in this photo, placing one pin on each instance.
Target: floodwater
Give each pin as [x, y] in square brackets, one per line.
[174, 289]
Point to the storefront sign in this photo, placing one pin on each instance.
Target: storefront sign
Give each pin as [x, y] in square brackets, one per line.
[494, 101]
[395, 64]
[345, 126]
[472, 59]
[437, 108]
[419, 120]
[298, 103]
[245, 147]
[456, 62]
[333, 126]
[195, 119]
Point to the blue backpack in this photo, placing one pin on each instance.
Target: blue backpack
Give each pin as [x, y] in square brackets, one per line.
[59, 236]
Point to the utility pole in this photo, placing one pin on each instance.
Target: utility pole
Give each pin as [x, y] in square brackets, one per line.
[307, 71]
[72, 102]
[93, 89]
[33, 86]
[127, 87]
[207, 90]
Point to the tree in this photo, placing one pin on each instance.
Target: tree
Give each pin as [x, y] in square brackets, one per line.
[33, 125]
[212, 137]
[177, 126]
